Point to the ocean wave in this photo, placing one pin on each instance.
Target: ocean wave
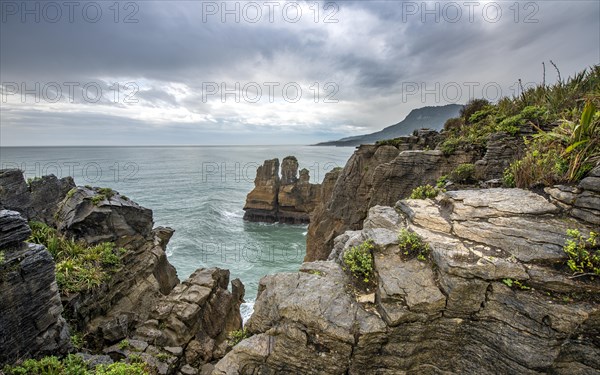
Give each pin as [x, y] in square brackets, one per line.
[247, 308]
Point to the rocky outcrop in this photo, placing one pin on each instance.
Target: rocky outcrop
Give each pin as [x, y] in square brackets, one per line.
[582, 201]
[494, 297]
[196, 316]
[111, 312]
[288, 199]
[30, 313]
[377, 175]
[102, 215]
[261, 202]
[37, 201]
[501, 150]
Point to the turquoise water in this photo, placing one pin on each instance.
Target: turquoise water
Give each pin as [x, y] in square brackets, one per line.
[198, 191]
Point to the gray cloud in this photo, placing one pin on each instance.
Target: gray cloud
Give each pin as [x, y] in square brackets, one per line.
[373, 50]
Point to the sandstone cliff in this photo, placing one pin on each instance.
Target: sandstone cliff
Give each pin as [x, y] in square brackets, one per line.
[288, 199]
[493, 297]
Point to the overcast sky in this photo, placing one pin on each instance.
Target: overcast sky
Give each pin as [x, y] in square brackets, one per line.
[154, 72]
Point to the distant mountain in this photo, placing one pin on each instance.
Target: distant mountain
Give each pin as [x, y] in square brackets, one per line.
[426, 117]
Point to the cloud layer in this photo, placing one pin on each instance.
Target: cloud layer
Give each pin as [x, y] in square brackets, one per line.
[201, 72]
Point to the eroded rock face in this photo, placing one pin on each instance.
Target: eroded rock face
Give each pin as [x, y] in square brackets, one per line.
[454, 314]
[30, 310]
[582, 201]
[287, 200]
[196, 316]
[37, 201]
[261, 202]
[102, 215]
[375, 175]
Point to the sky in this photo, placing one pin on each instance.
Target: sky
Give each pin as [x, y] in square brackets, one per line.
[265, 72]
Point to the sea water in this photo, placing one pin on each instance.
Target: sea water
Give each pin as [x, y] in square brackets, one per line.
[200, 192]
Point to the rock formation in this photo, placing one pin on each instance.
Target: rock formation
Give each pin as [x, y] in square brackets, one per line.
[377, 175]
[582, 201]
[37, 201]
[31, 323]
[494, 297]
[288, 199]
[192, 318]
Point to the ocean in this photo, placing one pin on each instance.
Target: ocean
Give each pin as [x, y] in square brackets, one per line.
[200, 192]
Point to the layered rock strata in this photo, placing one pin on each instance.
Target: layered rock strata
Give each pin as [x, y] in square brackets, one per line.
[494, 297]
[289, 199]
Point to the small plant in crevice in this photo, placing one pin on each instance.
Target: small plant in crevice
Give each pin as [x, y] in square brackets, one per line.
[237, 336]
[515, 283]
[124, 344]
[96, 199]
[583, 253]
[359, 260]
[464, 173]
[412, 245]
[425, 191]
[1, 257]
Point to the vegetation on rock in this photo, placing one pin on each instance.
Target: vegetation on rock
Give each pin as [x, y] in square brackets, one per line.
[78, 266]
[73, 365]
[359, 259]
[464, 173]
[235, 337]
[411, 245]
[561, 124]
[584, 254]
[425, 191]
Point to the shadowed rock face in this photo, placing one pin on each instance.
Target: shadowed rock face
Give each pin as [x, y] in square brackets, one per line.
[288, 199]
[39, 200]
[30, 310]
[453, 314]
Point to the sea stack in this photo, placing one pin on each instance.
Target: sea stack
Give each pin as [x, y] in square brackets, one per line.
[289, 199]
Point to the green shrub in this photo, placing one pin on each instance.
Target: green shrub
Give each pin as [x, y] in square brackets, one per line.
[508, 177]
[473, 106]
[124, 344]
[441, 182]
[235, 337]
[359, 259]
[120, 368]
[96, 199]
[584, 254]
[425, 191]
[1, 257]
[464, 173]
[78, 267]
[71, 192]
[70, 365]
[107, 192]
[453, 124]
[411, 245]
